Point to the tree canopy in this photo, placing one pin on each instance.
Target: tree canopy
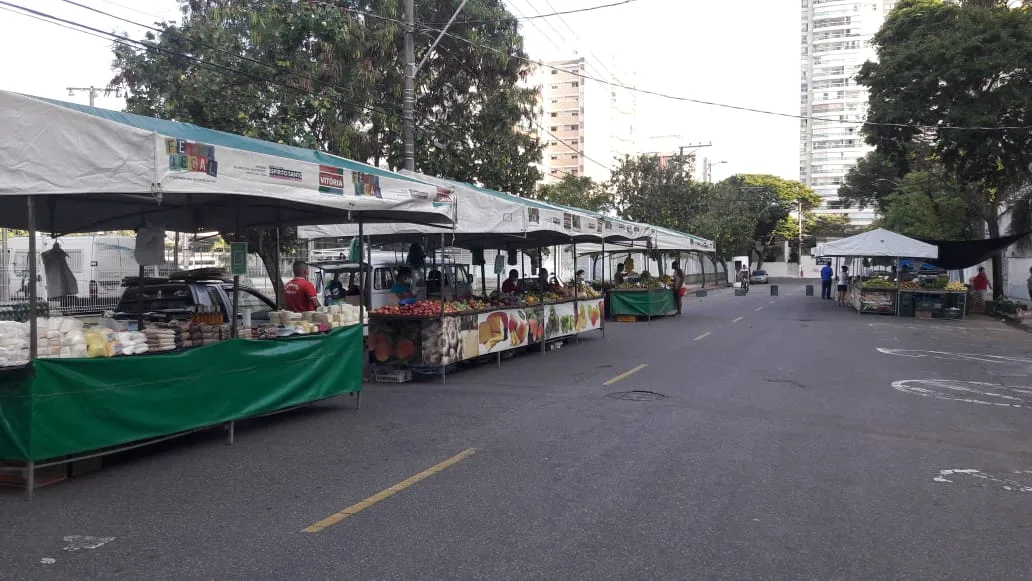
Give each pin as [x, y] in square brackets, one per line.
[657, 191]
[955, 78]
[577, 192]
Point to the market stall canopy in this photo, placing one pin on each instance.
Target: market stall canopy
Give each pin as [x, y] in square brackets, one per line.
[878, 242]
[483, 217]
[92, 169]
[662, 239]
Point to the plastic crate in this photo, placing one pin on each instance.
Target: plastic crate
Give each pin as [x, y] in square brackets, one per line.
[395, 376]
[626, 319]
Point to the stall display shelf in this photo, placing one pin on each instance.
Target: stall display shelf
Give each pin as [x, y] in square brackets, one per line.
[421, 342]
[49, 408]
[640, 302]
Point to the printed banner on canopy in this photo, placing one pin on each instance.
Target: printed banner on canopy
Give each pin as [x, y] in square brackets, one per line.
[192, 166]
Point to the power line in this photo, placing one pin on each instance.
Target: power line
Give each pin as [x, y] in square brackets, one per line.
[539, 16]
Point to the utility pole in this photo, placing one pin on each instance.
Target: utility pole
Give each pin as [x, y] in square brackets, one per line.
[707, 169]
[92, 91]
[408, 114]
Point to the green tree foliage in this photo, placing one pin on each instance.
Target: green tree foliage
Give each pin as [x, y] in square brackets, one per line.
[577, 192]
[657, 191]
[771, 204]
[870, 182]
[926, 206]
[944, 65]
[321, 75]
[828, 226]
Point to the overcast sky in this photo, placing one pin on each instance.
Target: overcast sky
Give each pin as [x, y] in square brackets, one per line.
[741, 52]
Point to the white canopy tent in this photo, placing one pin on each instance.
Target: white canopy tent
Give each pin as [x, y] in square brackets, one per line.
[878, 243]
[480, 216]
[91, 169]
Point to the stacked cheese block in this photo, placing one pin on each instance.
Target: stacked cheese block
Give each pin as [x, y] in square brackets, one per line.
[14, 343]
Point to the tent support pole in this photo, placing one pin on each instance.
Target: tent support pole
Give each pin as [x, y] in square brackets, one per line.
[444, 364]
[277, 284]
[33, 290]
[362, 286]
[605, 299]
[236, 303]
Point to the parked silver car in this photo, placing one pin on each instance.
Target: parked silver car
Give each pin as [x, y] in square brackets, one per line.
[758, 277]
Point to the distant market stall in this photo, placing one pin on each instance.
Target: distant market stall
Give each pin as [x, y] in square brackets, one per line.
[432, 334]
[67, 391]
[645, 294]
[886, 277]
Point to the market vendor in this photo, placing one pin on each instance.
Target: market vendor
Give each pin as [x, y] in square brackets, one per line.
[402, 287]
[299, 293]
[510, 285]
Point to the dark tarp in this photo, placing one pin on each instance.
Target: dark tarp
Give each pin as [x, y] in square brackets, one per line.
[955, 255]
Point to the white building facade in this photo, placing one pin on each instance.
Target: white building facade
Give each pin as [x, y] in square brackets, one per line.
[584, 124]
[835, 43]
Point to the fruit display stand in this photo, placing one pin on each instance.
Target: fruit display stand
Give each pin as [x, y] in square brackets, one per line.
[876, 296]
[640, 302]
[431, 342]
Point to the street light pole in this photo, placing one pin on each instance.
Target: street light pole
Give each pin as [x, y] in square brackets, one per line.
[800, 238]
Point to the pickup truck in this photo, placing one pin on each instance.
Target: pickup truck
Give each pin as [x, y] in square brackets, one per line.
[176, 299]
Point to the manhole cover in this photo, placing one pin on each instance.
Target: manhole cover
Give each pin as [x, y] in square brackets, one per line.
[636, 395]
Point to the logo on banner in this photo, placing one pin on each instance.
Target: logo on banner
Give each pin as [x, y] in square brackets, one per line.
[189, 156]
[331, 180]
[533, 215]
[281, 173]
[567, 221]
[366, 185]
[443, 198]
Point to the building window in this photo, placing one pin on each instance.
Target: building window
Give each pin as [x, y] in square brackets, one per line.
[575, 114]
[555, 71]
[554, 128]
[573, 127]
[573, 156]
[575, 84]
[555, 157]
[555, 114]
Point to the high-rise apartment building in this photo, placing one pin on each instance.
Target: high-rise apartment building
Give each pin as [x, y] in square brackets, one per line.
[836, 42]
[584, 124]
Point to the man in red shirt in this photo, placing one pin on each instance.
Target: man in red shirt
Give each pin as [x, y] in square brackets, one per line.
[509, 286]
[299, 293]
[981, 281]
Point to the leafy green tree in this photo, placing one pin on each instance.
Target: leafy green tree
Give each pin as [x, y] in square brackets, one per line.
[654, 191]
[577, 192]
[322, 75]
[943, 66]
[823, 226]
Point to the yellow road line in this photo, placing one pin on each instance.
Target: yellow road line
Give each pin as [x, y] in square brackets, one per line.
[738, 319]
[626, 374]
[703, 336]
[387, 493]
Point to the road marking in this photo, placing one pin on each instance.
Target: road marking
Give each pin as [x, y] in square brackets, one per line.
[758, 309]
[772, 301]
[703, 336]
[387, 493]
[626, 374]
[738, 319]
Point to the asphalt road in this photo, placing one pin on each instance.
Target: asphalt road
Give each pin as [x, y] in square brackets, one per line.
[782, 450]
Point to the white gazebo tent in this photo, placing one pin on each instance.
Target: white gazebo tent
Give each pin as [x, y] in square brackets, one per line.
[878, 243]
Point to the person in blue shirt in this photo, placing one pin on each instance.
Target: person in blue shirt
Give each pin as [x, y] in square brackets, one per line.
[826, 275]
[402, 287]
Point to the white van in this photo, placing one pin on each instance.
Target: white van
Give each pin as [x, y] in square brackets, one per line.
[384, 269]
[99, 263]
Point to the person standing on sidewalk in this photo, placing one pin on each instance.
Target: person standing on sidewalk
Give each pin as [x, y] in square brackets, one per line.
[826, 275]
[678, 285]
[843, 285]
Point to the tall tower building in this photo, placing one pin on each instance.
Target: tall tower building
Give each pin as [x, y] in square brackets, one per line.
[584, 124]
[835, 43]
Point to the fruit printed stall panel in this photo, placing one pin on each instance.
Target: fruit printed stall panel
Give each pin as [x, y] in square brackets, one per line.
[421, 341]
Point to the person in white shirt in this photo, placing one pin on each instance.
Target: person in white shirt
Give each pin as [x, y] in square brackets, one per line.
[843, 285]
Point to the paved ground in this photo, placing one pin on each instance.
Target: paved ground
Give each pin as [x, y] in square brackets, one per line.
[782, 451]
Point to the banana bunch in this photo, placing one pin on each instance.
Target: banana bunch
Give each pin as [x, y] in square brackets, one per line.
[955, 285]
